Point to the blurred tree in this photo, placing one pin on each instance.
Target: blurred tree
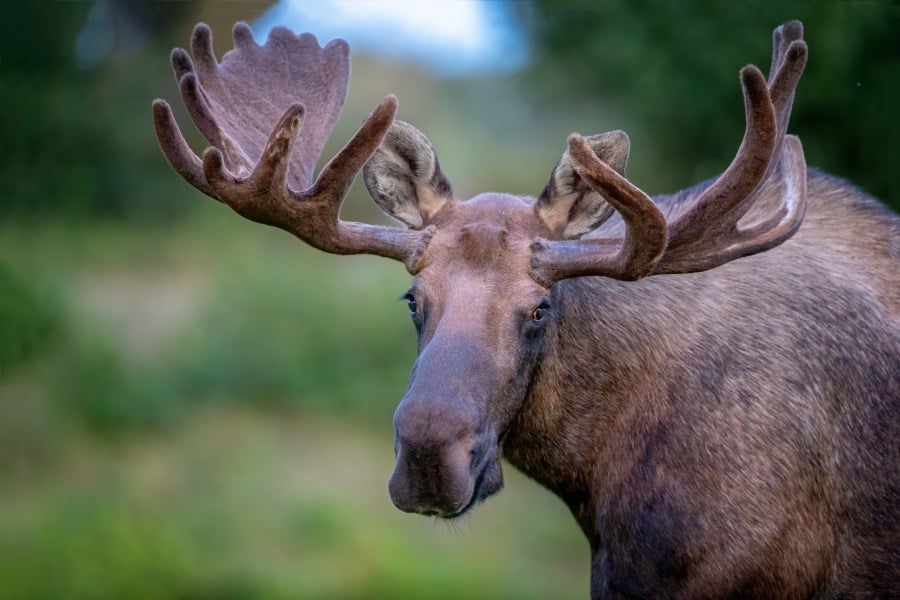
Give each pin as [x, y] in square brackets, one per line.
[672, 68]
[66, 116]
[29, 316]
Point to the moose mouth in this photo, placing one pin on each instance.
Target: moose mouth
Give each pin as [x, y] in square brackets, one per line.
[484, 486]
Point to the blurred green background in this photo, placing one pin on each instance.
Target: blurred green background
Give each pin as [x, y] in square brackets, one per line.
[192, 406]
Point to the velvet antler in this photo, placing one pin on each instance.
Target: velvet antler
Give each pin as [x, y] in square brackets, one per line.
[294, 89]
[706, 234]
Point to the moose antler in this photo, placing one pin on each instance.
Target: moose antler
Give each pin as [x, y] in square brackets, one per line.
[707, 233]
[268, 177]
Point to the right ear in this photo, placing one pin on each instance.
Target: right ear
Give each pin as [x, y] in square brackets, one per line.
[568, 205]
[404, 178]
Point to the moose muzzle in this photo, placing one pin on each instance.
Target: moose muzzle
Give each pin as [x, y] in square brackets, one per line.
[446, 460]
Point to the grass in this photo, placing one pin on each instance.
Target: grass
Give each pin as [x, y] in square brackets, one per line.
[204, 412]
[247, 504]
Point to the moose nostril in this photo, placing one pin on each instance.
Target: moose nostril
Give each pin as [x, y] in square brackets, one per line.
[435, 481]
[477, 454]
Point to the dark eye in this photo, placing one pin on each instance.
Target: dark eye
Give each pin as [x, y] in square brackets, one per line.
[540, 312]
[411, 303]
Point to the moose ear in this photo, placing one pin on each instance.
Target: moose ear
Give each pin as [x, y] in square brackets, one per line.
[404, 178]
[568, 205]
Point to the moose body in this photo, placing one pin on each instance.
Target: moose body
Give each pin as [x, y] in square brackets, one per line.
[732, 432]
[710, 380]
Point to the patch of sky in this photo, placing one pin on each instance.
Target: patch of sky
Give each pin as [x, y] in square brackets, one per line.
[450, 37]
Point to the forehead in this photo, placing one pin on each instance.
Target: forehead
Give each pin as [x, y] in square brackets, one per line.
[487, 237]
[488, 223]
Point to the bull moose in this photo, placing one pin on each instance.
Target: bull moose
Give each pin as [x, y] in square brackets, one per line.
[710, 379]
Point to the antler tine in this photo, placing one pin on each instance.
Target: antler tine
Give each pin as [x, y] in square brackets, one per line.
[789, 54]
[202, 48]
[176, 148]
[630, 258]
[181, 63]
[740, 178]
[710, 227]
[197, 103]
[776, 229]
[232, 102]
[333, 180]
[784, 37]
[242, 35]
[787, 219]
[261, 196]
[316, 216]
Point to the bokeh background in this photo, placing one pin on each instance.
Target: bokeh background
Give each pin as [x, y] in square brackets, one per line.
[193, 406]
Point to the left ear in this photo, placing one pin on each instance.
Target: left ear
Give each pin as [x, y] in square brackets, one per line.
[568, 205]
[404, 177]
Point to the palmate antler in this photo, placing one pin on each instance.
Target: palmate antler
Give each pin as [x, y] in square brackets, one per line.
[707, 234]
[268, 177]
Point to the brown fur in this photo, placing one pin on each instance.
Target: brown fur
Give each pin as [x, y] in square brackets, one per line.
[732, 432]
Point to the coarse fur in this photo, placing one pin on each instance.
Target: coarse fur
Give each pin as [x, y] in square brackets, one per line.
[732, 432]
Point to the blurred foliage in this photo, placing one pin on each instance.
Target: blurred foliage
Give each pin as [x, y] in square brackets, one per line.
[270, 323]
[333, 341]
[29, 315]
[100, 390]
[68, 130]
[671, 67]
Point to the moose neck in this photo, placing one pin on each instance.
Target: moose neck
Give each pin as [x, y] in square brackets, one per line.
[570, 431]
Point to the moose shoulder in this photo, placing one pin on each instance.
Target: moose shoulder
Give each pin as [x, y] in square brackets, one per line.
[710, 380]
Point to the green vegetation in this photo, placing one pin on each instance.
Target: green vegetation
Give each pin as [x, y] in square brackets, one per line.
[244, 506]
[28, 316]
[73, 130]
[241, 505]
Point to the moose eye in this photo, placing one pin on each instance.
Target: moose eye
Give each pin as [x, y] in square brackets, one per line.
[411, 303]
[540, 312]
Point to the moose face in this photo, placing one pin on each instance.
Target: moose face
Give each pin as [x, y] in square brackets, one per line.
[480, 319]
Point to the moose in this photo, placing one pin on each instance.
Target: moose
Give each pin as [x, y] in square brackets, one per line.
[710, 380]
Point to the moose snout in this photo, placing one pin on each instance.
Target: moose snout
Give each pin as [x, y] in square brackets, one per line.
[431, 480]
[437, 462]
